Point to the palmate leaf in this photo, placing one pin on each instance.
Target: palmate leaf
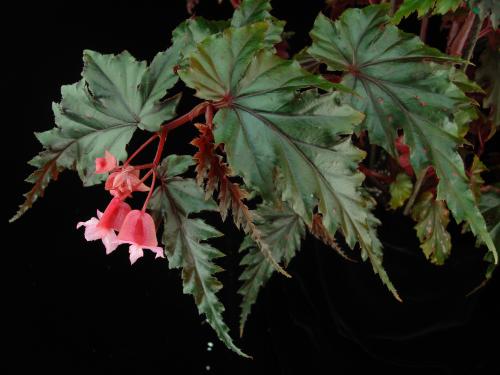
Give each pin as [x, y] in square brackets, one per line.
[399, 88]
[432, 218]
[117, 95]
[268, 128]
[175, 200]
[282, 229]
[424, 7]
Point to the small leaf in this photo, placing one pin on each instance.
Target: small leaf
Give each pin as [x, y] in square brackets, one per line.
[282, 229]
[116, 96]
[399, 87]
[432, 218]
[400, 190]
[185, 243]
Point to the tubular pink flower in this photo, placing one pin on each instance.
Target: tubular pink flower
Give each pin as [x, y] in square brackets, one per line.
[104, 225]
[122, 183]
[105, 164]
[139, 231]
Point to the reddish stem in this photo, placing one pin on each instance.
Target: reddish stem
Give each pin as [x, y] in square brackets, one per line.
[150, 193]
[209, 116]
[458, 44]
[195, 112]
[423, 28]
[165, 128]
[159, 150]
[144, 166]
[142, 147]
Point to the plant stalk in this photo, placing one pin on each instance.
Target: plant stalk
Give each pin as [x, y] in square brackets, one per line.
[471, 41]
[416, 190]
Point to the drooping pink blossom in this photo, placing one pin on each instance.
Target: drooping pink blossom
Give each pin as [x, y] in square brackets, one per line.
[105, 164]
[125, 181]
[104, 225]
[139, 231]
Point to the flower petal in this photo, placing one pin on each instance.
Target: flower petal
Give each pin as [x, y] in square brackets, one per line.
[105, 164]
[109, 241]
[157, 250]
[135, 253]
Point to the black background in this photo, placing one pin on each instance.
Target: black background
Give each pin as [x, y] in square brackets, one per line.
[72, 309]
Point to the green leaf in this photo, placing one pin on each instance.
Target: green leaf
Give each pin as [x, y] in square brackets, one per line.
[253, 11]
[400, 190]
[399, 87]
[432, 218]
[193, 31]
[270, 130]
[489, 205]
[487, 75]
[282, 229]
[129, 91]
[116, 96]
[424, 7]
[184, 237]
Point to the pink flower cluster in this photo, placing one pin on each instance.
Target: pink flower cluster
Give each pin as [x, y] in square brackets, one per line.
[119, 224]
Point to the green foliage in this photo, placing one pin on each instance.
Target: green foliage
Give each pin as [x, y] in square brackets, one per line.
[432, 218]
[184, 237]
[400, 190]
[287, 132]
[399, 87]
[117, 95]
[194, 30]
[424, 7]
[282, 229]
[253, 11]
[268, 127]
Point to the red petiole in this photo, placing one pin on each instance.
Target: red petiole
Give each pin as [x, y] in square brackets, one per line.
[204, 107]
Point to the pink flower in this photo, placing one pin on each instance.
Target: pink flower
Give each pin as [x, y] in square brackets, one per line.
[104, 225]
[105, 164]
[139, 231]
[125, 181]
